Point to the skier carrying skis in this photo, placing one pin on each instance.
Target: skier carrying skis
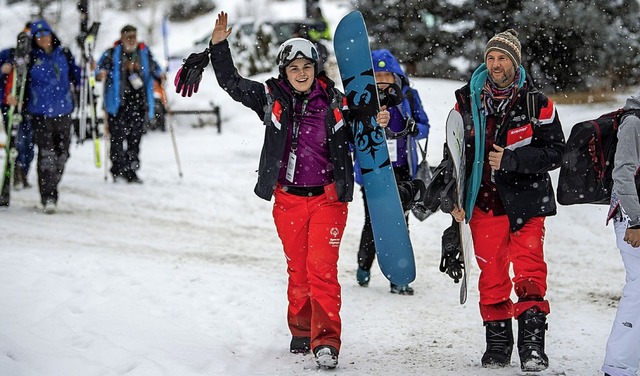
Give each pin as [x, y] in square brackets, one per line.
[129, 70]
[511, 145]
[306, 165]
[622, 355]
[52, 78]
[410, 123]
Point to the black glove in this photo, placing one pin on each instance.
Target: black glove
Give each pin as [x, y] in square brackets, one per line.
[451, 261]
[188, 77]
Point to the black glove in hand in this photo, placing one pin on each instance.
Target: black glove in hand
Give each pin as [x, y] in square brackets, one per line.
[188, 77]
[451, 261]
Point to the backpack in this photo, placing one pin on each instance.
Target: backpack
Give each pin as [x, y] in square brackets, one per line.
[587, 164]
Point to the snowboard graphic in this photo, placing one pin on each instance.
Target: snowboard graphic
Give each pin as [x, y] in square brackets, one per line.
[393, 246]
[455, 148]
[14, 116]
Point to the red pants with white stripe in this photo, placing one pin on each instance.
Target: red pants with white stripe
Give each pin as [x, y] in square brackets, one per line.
[311, 229]
[496, 249]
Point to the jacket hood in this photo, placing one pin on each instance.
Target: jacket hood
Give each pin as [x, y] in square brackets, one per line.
[42, 25]
[632, 103]
[384, 61]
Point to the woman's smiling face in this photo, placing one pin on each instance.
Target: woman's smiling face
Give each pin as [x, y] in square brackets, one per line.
[300, 74]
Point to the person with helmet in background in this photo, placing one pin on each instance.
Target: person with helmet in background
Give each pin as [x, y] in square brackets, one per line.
[306, 166]
[408, 124]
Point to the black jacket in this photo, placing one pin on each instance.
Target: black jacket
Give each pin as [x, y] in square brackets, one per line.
[264, 99]
[532, 149]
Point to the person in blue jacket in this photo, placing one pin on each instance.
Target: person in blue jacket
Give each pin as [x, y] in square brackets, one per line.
[53, 76]
[408, 123]
[129, 70]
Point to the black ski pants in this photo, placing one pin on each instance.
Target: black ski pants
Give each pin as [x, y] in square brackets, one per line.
[53, 137]
[126, 129]
[367, 250]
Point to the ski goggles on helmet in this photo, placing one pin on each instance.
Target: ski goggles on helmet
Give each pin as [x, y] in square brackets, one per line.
[296, 48]
[42, 33]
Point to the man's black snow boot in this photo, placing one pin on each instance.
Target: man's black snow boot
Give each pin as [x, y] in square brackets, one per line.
[531, 327]
[300, 345]
[499, 344]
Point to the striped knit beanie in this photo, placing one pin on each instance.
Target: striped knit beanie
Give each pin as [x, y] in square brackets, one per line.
[506, 42]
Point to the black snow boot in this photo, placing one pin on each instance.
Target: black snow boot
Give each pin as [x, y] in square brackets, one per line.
[499, 344]
[300, 345]
[531, 327]
[326, 356]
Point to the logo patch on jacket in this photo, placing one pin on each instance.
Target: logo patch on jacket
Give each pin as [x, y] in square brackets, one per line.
[276, 113]
[520, 136]
[339, 120]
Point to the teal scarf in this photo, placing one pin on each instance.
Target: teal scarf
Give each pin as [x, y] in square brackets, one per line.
[478, 80]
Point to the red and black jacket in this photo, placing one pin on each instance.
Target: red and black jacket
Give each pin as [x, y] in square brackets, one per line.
[533, 147]
[272, 98]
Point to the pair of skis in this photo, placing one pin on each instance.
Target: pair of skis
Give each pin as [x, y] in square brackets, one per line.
[87, 106]
[14, 116]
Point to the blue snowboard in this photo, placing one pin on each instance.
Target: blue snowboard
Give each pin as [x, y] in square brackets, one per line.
[391, 236]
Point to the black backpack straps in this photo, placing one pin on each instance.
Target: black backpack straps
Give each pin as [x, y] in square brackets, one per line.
[624, 113]
[70, 63]
[411, 100]
[532, 106]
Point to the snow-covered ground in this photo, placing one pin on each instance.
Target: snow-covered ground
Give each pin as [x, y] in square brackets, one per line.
[186, 276]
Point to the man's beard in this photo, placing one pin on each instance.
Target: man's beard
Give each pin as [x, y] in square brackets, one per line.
[506, 79]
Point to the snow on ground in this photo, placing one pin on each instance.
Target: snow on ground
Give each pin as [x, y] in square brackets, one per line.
[186, 276]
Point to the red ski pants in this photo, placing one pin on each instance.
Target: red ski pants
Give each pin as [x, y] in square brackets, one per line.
[311, 229]
[497, 249]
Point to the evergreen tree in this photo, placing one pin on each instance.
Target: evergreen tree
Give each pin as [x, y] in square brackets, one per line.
[566, 44]
[571, 45]
[396, 25]
[254, 52]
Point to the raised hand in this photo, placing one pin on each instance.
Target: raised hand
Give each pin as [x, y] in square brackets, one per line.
[220, 31]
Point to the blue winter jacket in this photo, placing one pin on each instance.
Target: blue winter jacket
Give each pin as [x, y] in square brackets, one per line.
[110, 61]
[51, 76]
[384, 61]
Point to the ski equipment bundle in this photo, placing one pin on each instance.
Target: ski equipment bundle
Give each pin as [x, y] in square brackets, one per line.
[585, 174]
[14, 118]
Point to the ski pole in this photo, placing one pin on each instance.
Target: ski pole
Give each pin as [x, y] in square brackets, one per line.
[175, 145]
[107, 146]
[165, 40]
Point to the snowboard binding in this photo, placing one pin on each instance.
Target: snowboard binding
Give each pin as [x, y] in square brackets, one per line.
[451, 262]
[390, 96]
[412, 194]
[440, 194]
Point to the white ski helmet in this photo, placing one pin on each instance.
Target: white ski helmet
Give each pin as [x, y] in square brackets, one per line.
[297, 48]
